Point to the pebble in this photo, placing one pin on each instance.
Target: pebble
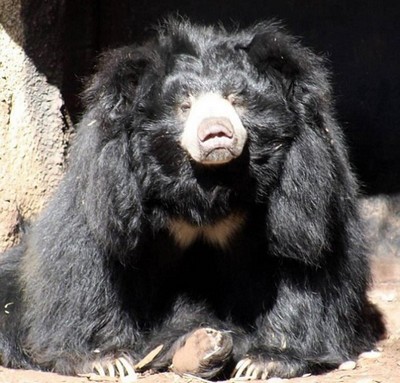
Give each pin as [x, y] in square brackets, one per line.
[370, 355]
[347, 366]
[389, 296]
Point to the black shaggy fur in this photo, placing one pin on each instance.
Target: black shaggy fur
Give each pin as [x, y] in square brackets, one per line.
[99, 273]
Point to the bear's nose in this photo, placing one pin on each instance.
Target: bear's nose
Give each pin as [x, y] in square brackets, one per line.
[212, 128]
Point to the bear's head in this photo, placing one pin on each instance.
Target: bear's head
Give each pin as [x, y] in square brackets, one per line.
[213, 93]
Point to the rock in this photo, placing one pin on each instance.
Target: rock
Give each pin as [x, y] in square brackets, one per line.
[370, 354]
[349, 365]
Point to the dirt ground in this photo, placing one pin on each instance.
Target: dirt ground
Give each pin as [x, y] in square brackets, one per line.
[381, 366]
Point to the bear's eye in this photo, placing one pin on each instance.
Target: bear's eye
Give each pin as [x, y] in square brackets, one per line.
[185, 106]
[234, 99]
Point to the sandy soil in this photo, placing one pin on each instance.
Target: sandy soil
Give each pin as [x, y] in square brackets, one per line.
[382, 366]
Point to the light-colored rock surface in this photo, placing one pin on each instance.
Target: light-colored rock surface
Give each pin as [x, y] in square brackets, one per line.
[33, 129]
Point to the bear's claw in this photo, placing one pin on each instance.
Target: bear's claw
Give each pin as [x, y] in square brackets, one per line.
[121, 367]
[249, 370]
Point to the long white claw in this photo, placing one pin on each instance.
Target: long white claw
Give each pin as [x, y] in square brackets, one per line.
[256, 374]
[239, 364]
[120, 368]
[111, 370]
[98, 368]
[131, 374]
[249, 371]
[241, 367]
[264, 375]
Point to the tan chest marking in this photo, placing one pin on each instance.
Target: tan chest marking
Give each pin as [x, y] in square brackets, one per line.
[219, 233]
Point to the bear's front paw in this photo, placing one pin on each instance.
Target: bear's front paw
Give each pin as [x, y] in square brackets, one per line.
[204, 353]
[254, 368]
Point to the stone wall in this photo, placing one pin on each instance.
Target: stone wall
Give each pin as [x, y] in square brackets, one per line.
[34, 128]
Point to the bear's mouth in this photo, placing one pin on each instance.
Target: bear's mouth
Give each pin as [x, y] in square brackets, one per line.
[218, 155]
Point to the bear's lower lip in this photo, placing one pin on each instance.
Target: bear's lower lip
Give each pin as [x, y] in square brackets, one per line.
[218, 156]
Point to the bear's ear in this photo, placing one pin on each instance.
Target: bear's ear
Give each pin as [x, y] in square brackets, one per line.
[301, 74]
[181, 45]
[272, 51]
[111, 94]
[280, 57]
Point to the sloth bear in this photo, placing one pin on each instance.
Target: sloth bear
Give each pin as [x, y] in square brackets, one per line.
[209, 211]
